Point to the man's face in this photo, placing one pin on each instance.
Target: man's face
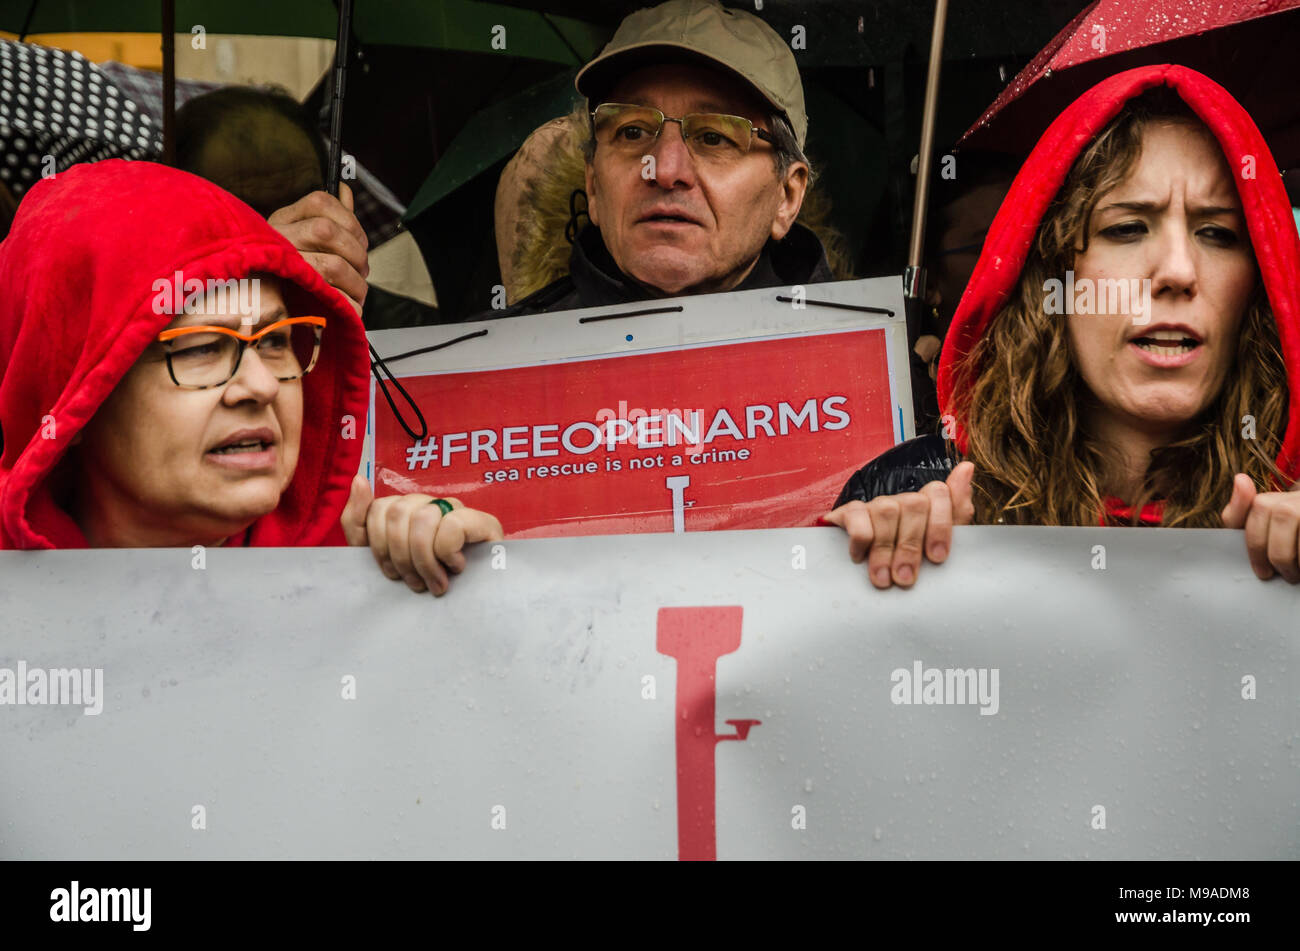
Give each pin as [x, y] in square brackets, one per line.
[149, 473]
[672, 221]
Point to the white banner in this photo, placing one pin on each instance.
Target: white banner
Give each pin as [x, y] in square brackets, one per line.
[1037, 697]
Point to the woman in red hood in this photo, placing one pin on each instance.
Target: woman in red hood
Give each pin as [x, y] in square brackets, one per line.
[124, 425]
[1125, 350]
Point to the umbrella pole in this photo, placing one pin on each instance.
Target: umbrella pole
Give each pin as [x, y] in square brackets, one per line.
[914, 276]
[336, 103]
[169, 81]
[27, 22]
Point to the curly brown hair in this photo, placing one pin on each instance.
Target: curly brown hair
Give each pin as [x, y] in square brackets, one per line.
[1022, 399]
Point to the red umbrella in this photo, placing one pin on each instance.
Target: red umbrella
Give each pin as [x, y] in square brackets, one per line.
[1242, 44]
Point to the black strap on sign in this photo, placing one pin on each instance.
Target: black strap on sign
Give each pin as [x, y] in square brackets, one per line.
[830, 303]
[379, 367]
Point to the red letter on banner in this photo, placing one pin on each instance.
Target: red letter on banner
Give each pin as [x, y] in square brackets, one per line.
[697, 637]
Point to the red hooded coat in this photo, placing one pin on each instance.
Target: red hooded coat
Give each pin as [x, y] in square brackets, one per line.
[77, 275]
[1268, 217]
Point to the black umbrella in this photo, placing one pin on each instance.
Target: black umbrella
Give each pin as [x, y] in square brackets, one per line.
[57, 109]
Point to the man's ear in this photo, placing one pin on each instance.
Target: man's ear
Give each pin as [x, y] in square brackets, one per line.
[591, 194]
[793, 189]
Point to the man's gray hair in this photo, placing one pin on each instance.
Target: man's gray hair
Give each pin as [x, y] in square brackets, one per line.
[785, 147]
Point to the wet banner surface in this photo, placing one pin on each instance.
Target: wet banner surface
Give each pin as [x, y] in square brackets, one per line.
[1061, 693]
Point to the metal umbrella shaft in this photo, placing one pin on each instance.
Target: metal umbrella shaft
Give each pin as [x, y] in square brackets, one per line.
[336, 104]
[169, 81]
[914, 276]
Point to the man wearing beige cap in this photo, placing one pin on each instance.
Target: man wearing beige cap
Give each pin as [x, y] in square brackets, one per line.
[695, 169]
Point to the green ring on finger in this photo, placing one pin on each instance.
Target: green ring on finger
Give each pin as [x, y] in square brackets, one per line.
[443, 505]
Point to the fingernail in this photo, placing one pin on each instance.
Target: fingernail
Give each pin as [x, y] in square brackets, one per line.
[822, 521]
[882, 576]
[905, 574]
[940, 552]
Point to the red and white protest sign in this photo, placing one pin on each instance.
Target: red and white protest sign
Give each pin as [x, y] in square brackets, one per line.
[748, 434]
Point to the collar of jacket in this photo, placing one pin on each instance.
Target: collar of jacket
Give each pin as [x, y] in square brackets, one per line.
[797, 259]
[1120, 511]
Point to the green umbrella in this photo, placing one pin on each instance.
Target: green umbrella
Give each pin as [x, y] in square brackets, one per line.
[492, 135]
[468, 25]
[457, 25]
[254, 17]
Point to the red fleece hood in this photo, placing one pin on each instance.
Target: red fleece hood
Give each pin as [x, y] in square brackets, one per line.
[1264, 202]
[76, 310]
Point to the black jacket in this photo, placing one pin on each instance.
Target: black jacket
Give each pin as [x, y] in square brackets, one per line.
[905, 468]
[594, 280]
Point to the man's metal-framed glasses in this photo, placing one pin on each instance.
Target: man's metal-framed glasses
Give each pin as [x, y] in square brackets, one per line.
[632, 129]
[208, 355]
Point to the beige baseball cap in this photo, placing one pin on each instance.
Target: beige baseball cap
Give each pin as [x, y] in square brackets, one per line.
[736, 40]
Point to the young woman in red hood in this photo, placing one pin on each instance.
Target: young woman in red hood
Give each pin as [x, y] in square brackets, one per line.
[124, 426]
[1066, 404]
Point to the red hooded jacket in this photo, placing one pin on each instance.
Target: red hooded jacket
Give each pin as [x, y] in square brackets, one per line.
[1265, 206]
[76, 310]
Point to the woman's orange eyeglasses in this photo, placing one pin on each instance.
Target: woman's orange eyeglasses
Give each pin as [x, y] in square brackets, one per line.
[208, 355]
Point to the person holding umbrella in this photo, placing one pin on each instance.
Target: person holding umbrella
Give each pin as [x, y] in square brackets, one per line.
[1067, 405]
[262, 147]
